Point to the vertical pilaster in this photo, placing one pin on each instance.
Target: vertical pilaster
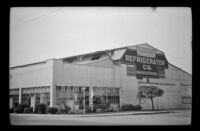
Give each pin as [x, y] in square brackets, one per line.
[11, 103]
[53, 95]
[91, 94]
[33, 101]
[50, 63]
[73, 92]
[20, 95]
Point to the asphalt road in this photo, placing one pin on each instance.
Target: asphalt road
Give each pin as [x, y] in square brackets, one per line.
[176, 118]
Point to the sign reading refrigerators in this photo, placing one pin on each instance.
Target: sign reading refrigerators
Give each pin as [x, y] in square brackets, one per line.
[146, 66]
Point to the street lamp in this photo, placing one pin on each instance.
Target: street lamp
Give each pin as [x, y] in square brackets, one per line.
[83, 99]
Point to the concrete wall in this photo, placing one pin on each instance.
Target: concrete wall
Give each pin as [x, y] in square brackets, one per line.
[129, 89]
[83, 75]
[102, 63]
[174, 73]
[55, 72]
[173, 89]
[31, 76]
[36, 75]
[170, 99]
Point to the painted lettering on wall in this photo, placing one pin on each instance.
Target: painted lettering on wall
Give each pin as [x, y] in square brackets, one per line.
[146, 66]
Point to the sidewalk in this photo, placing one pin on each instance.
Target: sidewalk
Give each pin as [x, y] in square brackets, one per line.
[124, 113]
[98, 114]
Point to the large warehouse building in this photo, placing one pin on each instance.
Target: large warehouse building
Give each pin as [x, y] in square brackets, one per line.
[111, 76]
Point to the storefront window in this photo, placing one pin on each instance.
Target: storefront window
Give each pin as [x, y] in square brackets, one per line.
[46, 98]
[105, 96]
[72, 97]
[37, 98]
[26, 98]
[15, 99]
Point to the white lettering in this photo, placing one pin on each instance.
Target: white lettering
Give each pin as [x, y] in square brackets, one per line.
[127, 57]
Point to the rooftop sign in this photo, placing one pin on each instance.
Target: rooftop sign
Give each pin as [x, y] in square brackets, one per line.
[141, 51]
[145, 66]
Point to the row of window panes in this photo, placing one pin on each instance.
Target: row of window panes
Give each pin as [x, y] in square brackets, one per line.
[46, 88]
[45, 98]
[15, 98]
[14, 91]
[25, 98]
[62, 96]
[103, 100]
[103, 91]
[37, 98]
[70, 88]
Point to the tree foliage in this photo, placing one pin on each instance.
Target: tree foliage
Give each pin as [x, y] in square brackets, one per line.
[149, 92]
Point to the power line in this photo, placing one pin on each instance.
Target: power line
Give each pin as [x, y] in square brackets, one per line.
[36, 18]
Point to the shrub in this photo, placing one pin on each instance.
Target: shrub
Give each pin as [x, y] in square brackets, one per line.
[110, 110]
[40, 108]
[20, 108]
[62, 111]
[17, 110]
[90, 110]
[67, 108]
[138, 107]
[28, 110]
[72, 112]
[16, 104]
[53, 110]
[11, 110]
[130, 107]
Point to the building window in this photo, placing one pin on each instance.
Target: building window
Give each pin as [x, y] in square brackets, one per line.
[131, 70]
[25, 98]
[161, 72]
[37, 98]
[15, 98]
[46, 98]
[95, 57]
[104, 96]
[186, 100]
[58, 88]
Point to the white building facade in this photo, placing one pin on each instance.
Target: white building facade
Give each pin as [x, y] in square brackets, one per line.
[109, 76]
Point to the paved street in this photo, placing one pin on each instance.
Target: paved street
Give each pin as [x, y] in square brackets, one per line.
[176, 118]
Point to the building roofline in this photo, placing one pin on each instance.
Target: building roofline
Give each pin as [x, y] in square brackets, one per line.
[150, 46]
[27, 65]
[96, 52]
[180, 69]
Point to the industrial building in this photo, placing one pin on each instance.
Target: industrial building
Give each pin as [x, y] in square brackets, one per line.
[111, 76]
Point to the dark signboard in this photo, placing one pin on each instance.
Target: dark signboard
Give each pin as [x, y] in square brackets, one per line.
[146, 66]
[131, 69]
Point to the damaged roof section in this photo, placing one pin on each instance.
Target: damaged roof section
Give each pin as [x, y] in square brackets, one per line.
[118, 54]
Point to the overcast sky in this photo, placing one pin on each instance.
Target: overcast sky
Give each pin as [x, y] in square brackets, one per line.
[38, 34]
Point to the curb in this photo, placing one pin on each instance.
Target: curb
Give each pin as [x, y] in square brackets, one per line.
[139, 113]
[98, 115]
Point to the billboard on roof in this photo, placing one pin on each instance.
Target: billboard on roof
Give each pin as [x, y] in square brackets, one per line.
[146, 66]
